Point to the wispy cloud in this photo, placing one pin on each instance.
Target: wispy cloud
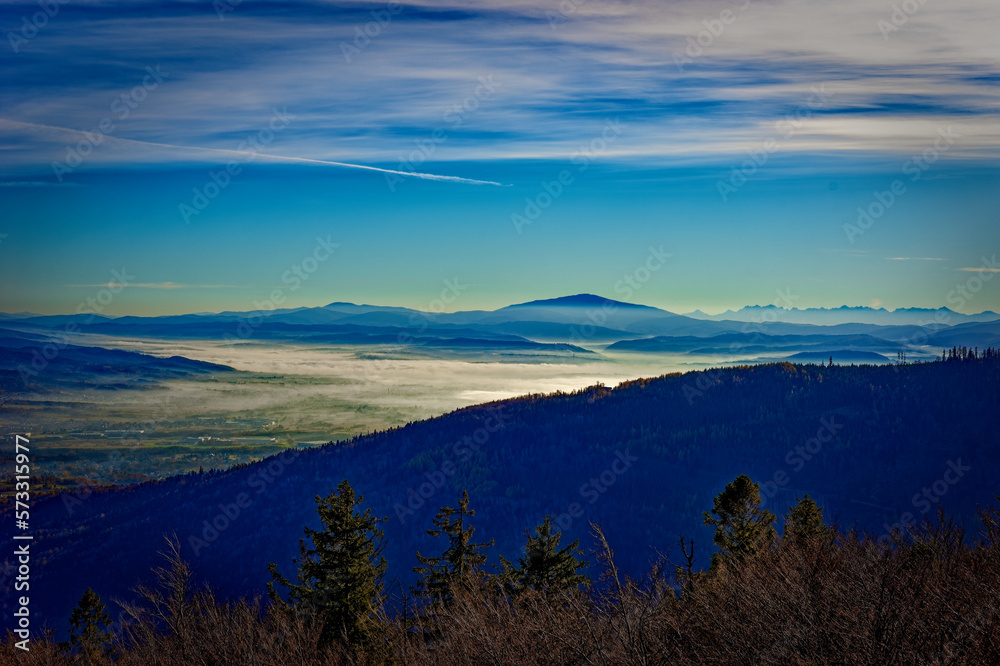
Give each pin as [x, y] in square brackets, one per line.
[979, 269]
[614, 59]
[226, 154]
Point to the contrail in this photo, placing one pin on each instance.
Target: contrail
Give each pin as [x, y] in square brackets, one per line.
[254, 155]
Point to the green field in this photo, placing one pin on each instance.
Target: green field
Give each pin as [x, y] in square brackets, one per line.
[212, 422]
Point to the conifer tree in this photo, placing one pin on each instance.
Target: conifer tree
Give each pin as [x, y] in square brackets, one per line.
[339, 581]
[90, 633]
[805, 523]
[742, 526]
[461, 561]
[544, 566]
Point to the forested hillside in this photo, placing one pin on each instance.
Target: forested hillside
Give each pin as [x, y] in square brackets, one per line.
[869, 443]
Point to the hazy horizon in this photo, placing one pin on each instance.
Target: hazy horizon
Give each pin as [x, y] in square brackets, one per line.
[704, 310]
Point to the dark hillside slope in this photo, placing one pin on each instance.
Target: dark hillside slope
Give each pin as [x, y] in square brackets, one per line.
[42, 364]
[643, 459]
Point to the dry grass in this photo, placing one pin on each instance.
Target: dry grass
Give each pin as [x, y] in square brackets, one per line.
[931, 598]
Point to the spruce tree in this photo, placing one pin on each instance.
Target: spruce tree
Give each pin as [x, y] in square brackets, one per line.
[805, 522]
[544, 566]
[90, 633]
[742, 526]
[461, 561]
[339, 581]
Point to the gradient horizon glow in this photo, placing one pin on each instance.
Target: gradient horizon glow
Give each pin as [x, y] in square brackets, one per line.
[844, 152]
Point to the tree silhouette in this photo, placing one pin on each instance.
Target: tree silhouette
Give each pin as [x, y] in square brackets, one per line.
[742, 527]
[461, 560]
[805, 522]
[340, 576]
[90, 633]
[544, 566]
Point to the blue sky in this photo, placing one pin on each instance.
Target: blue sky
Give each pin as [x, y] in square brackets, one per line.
[740, 137]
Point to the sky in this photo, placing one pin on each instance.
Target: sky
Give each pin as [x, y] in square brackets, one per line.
[163, 158]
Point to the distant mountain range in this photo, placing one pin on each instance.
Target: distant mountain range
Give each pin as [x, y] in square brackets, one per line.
[568, 327]
[847, 314]
[577, 309]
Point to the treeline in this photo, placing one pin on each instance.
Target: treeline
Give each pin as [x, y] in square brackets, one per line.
[969, 354]
[813, 595]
